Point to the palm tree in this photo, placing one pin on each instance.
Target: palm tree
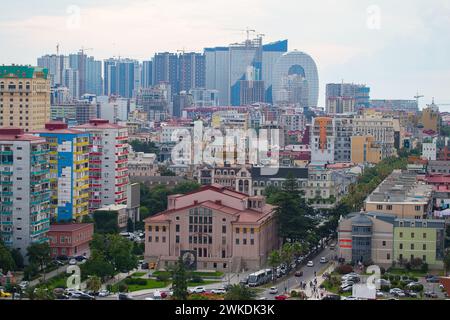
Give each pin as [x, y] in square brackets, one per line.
[94, 283]
[298, 248]
[287, 253]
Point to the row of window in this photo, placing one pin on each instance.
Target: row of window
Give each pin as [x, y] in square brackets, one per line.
[412, 246]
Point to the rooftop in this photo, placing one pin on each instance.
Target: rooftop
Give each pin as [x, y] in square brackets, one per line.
[401, 187]
[17, 134]
[68, 227]
[99, 124]
[22, 72]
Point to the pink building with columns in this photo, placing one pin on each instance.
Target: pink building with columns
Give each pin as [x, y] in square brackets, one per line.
[227, 230]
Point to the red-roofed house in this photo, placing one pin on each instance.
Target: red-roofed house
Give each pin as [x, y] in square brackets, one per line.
[225, 229]
[70, 239]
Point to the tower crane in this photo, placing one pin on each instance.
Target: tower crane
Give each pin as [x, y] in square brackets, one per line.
[417, 97]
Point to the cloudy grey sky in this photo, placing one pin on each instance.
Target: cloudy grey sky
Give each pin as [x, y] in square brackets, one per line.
[394, 46]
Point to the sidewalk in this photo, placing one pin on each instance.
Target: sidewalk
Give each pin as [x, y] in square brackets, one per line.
[48, 276]
[309, 291]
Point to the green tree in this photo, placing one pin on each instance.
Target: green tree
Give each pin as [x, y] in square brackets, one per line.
[164, 171]
[105, 221]
[287, 253]
[180, 279]
[6, 259]
[87, 219]
[447, 262]
[97, 265]
[94, 283]
[18, 258]
[130, 225]
[274, 260]
[238, 292]
[39, 254]
[147, 147]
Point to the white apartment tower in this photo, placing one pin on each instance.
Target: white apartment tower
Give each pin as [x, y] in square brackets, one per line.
[108, 163]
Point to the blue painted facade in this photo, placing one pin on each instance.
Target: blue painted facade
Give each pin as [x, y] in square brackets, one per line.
[65, 159]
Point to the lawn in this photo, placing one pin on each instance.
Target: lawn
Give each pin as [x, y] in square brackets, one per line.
[59, 281]
[404, 272]
[138, 274]
[149, 284]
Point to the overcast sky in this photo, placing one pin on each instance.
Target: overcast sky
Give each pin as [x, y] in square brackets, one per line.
[396, 47]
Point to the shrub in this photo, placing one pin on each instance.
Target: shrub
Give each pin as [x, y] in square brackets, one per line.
[163, 277]
[122, 287]
[384, 288]
[415, 279]
[344, 269]
[382, 270]
[391, 277]
[397, 278]
[197, 279]
[417, 288]
[424, 268]
[294, 294]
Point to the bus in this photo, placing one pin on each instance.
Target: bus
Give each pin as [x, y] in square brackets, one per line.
[257, 278]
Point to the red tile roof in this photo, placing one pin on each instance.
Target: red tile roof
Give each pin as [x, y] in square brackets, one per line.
[17, 134]
[68, 227]
[99, 123]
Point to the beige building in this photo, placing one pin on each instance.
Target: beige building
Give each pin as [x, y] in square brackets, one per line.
[24, 97]
[224, 229]
[366, 238]
[402, 195]
[365, 150]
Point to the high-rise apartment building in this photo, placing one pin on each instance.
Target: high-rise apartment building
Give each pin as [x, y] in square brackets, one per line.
[346, 97]
[108, 163]
[322, 140]
[191, 71]
[69, 171]
[431, 119]
[165, 69]
[25, 194]
[226, 67]
[24, 97]
[147, 74]
[55, 64]
[295, 80]
[121, 77]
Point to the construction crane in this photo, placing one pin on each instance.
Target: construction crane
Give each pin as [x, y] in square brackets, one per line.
[83, 49]
[417, 97]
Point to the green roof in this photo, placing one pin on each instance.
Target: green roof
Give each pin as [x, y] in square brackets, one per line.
[23, 72]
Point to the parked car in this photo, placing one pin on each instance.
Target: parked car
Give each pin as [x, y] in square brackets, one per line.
[310, 264]
[430, 294]
[280, 297]
[351, 298]
[85, 296]
[124, 296]
[80, 258]
[24, 284]
[410, 293]
[72, 262]
[4, 294]
[346, 288]
[218, 291]
[323, 260]
[144, 266]
[395, 291]
[62, 258]
[380, 294]
[332, 297]
[198, 290]
[382, 282]
[273, 290]
[433, 279]
[298, 273]
[103, 293]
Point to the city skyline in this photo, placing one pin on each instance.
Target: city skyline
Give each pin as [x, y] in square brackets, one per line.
[395, 48]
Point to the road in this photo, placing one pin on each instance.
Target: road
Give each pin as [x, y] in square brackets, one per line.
[286, 284]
